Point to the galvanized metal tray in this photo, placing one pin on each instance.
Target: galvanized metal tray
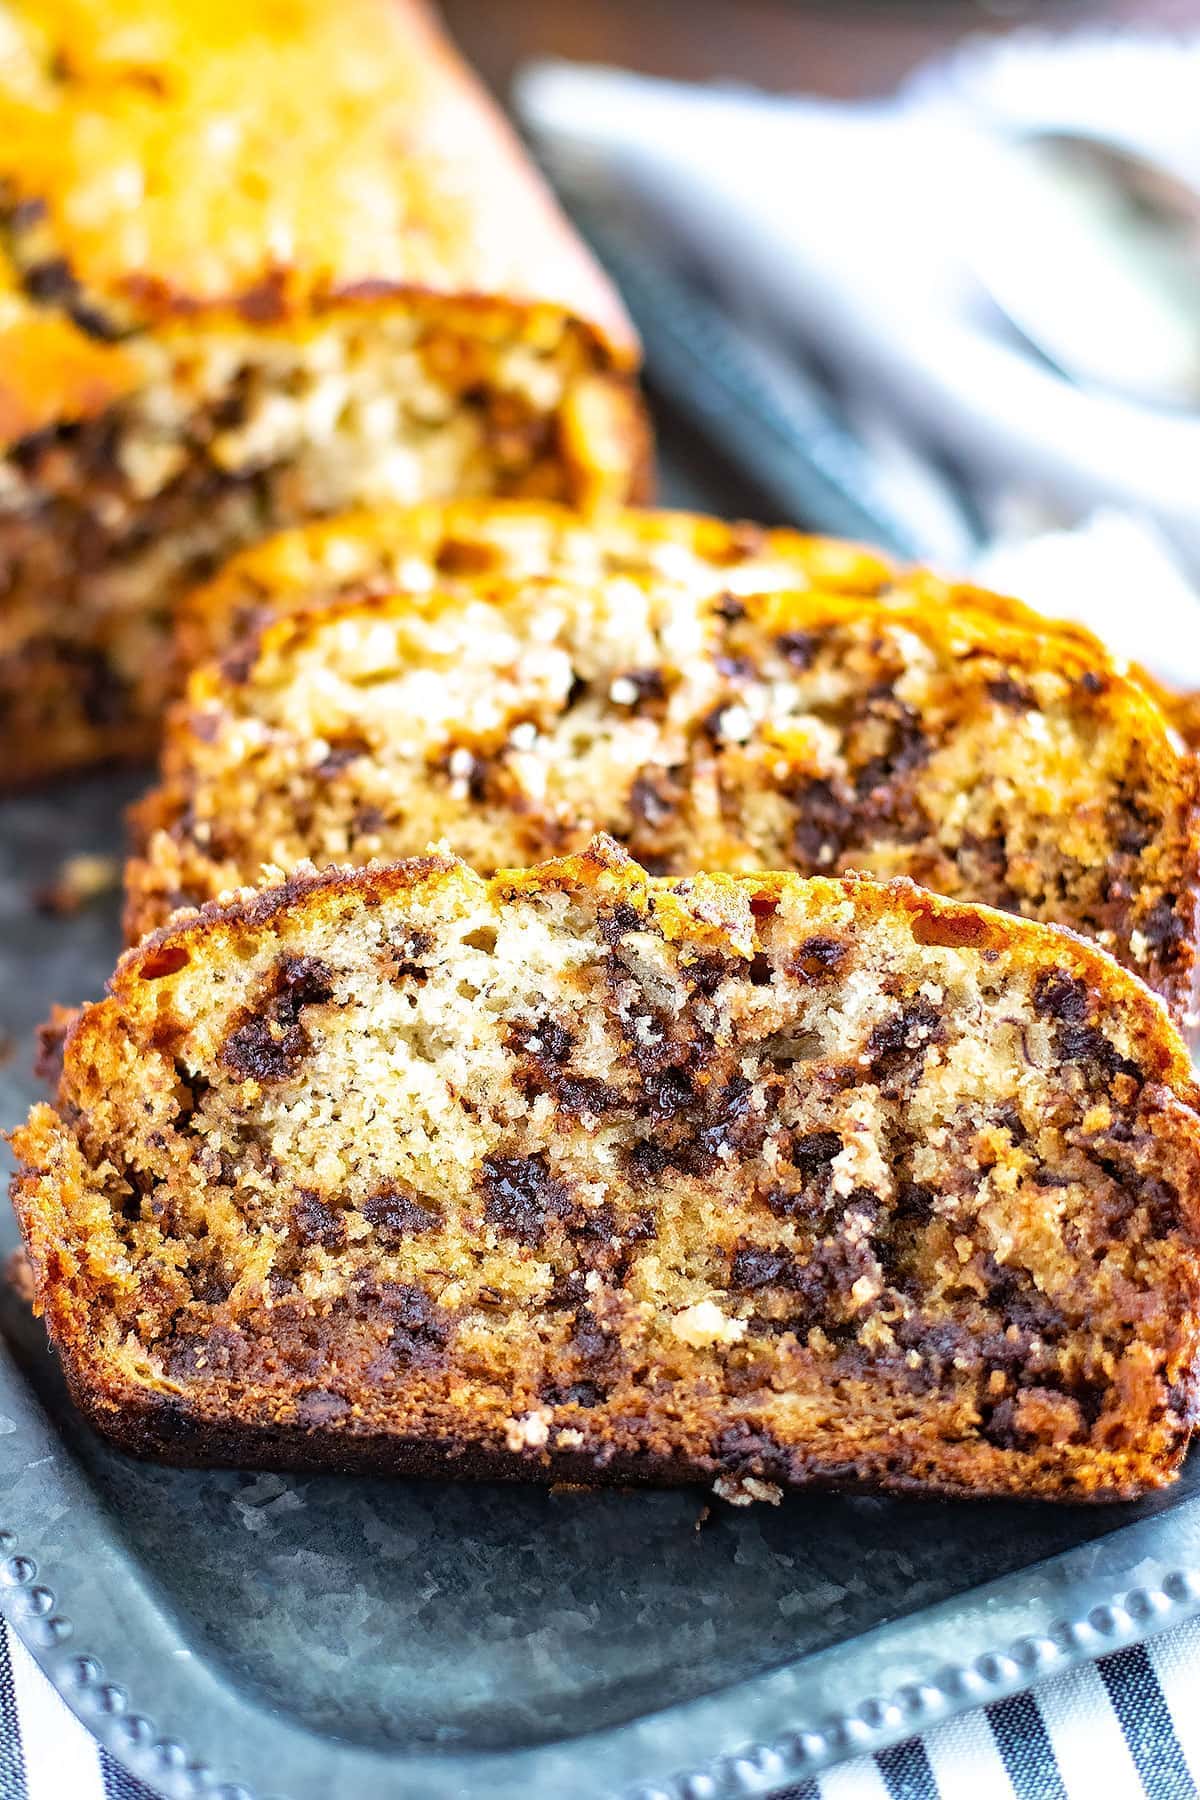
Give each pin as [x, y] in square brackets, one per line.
[228, 1634]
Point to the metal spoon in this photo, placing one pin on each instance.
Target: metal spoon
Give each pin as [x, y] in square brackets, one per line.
[1093, 252]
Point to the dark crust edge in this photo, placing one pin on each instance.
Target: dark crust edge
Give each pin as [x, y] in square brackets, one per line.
[159, 1428]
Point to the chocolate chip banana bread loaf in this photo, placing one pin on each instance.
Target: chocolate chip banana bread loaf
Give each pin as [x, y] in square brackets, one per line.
[258, 261]
[577, 1173]
[819, 731]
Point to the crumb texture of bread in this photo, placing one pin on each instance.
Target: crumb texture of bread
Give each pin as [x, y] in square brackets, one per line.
[785, 710]
[259, 260]
[578, 1173]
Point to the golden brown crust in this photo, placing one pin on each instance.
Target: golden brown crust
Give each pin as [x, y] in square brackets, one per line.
[1183, 709]
[770, 701]
[271, 161]
[1009, 1303]
[384, 549]
[260, 262]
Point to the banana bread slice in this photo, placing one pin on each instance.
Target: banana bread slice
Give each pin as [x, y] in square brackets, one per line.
[816, 731]
[259, 262]
[580, 1173]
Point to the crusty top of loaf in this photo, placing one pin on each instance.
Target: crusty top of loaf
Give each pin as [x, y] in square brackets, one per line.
[375, 548]
[457, 542]
[267, 158]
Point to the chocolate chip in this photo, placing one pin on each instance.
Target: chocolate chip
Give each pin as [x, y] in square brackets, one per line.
[744, 1450]
[1162, 926]
[544, 1038]
[1060, 996]
[797, 648]
[578, 1393]
[727, 722]
[753, 1269]
[595, 1224]
[583, 1393]
[573, 1094]
[1161, 1201]
[521, 1196]
[321, 1408]
[420, 1328]
[914, 1202]
[590, 1341]
[814, 1153]
[667, 1092]
[647, 1160]
[271, 1041]
[261, 1051]
[401, 960]
[647, 685]
[300, 981]
[398, 1215]
[820, 829]
[907, 746]
[1006, 692]
[316, 1223]
[1085, 1045]
[210, 1285]
[896, 1047]
[52, 283]
[998, 1425]
[817, 959]
[614, 921]
[237, 663]
[728, 1112]
[568, 1290]
[654, 797]
[342, 752]
[27, 213]
[830, 1274]
[544, 1046]
[1010, 1120]
[709, 969]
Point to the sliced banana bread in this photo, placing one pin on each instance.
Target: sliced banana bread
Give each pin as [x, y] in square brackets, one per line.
[577, 1173]
[807, 730]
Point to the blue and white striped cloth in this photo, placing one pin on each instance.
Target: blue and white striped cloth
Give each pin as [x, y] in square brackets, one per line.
[1125, 1728]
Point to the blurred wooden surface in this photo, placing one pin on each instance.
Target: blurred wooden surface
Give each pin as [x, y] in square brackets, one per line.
[843, 48]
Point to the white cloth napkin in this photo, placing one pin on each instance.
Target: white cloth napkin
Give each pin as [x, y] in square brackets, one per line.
[1126, 1728]
[853, 230]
